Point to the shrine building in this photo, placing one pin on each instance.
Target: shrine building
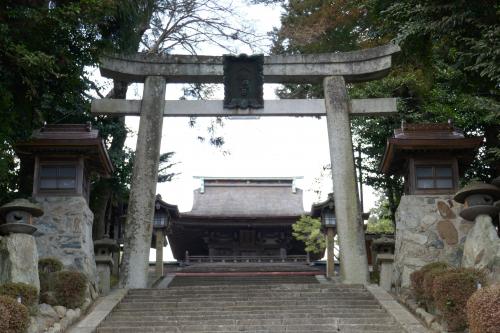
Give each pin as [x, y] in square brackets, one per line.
[248, 219]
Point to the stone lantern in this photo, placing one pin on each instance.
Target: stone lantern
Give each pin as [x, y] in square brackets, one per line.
[482, 244]
[161, 224]
[326, 211]
[383, 251]
[18, 249]
[478, 199]
[18, 216]
[104, 249]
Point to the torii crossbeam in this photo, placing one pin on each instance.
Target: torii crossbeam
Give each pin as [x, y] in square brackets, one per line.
[333, 69]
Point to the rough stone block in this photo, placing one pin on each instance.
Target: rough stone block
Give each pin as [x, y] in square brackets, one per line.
[19, 259]
[482, 247]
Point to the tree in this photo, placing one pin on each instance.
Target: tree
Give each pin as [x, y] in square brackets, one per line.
[380, 218]
[308, 230]
[45, 48]
[446, 69]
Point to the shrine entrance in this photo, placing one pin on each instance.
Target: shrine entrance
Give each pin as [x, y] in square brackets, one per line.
[334, 70]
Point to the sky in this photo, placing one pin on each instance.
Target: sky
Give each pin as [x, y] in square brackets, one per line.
[264, 147]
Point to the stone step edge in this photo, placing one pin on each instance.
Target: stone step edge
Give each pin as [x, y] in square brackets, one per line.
[402, 316]
[101, 310]
[249, 274]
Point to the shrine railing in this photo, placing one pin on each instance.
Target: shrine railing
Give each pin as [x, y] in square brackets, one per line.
[245, 259]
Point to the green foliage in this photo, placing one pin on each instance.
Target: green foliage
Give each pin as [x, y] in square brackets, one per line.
[69, 288]
[46, 268]
[448, 69]
[451, 290]
[29, 294]
[380, 218]
[49, 265]
[483, 308]
[308, 230]
[17, 316]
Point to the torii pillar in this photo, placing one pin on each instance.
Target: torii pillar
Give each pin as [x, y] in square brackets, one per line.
[140, 213]
[354, 264]
[334, 69]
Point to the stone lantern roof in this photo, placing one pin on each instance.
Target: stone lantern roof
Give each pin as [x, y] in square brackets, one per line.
[169, 209]
[317, 208]
[413, 139]
[67, 140]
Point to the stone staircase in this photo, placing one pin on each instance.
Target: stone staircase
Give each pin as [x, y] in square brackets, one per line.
[250, 304]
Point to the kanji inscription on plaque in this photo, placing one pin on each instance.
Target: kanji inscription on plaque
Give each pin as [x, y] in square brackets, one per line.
[243, 81]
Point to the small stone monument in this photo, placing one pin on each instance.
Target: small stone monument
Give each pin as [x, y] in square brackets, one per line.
[104, 249]
[383, 250]
[18, 251]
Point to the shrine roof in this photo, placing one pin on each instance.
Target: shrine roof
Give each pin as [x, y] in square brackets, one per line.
[247, 197]
[440, 137]
[65, 139]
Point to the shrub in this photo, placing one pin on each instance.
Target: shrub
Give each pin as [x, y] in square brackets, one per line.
[417, 278]
[483, 310]
[4, 318]
[46, 268]
[29, 294]
[50, 265]
[18, 316]
[69, 288]
[451, 290]
[428, 282]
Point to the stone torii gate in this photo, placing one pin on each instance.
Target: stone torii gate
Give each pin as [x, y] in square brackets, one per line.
[333, 69]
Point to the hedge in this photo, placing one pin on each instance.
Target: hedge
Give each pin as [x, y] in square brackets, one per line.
[17, 315]
[451, 290]
[483, 310]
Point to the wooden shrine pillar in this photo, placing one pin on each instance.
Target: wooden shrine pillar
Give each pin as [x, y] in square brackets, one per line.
[160, 243]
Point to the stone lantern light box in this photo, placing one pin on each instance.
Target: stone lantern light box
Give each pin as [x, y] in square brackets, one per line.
[60, 159]
[430, 157]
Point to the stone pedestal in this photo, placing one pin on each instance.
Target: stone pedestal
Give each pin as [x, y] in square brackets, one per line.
[428, 229]
[104, 265]
[19, 259]
[65, 232]
[385, 261]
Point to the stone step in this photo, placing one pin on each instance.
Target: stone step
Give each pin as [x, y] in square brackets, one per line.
[166, 321]
[346, 314]
[248, 288]
[254, 297]
[344, 328]
[251, 304]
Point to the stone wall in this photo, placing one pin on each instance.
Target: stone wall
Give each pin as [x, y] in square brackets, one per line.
[65, 232]
[428, 229]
